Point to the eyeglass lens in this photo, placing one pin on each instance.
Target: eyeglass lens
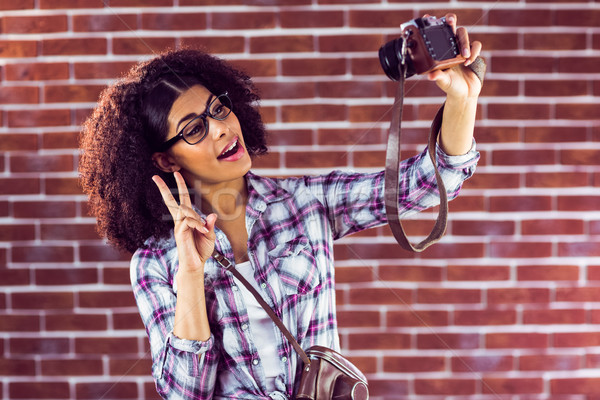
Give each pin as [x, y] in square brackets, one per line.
[197, 128]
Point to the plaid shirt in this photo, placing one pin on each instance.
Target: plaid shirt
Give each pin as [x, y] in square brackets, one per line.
[291, 225]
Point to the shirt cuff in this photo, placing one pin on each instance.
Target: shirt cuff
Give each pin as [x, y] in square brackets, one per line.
[190, 346]
[458, 162]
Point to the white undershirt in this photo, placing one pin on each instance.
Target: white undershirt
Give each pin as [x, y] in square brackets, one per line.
[261, 327]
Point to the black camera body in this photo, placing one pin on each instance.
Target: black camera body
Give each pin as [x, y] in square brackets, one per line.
[427, 44]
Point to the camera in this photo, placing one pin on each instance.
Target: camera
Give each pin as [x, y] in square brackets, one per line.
[427, 44]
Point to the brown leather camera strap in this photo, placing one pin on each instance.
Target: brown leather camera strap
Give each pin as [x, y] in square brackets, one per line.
[228, 265]
[392, 165]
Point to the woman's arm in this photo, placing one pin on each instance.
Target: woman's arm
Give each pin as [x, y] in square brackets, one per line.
[462, 88]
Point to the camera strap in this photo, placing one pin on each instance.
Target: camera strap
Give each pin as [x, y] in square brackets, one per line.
[392, 165]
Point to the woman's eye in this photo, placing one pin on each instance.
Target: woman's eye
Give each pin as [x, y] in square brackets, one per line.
[219, 110]
[194, 130]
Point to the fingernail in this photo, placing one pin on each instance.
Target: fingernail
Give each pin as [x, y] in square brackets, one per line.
[450, 19]
[466, 52]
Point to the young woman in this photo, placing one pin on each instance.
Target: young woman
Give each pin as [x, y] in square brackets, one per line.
[166, 163]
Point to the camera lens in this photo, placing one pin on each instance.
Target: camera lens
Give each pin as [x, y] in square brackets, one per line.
[390, 56]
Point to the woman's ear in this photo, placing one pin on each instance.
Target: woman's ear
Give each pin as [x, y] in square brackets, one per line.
[164, 162]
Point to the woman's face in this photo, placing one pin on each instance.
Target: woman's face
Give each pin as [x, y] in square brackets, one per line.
[221, 156]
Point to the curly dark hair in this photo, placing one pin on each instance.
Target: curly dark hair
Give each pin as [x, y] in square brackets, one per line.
[127, 125]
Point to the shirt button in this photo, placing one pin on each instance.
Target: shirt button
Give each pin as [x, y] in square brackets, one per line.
[263, 285]
[235, 288]
[284, 359]
[255, 362]
[245, 326]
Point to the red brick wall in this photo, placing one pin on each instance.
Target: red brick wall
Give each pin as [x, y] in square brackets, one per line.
[505, 305]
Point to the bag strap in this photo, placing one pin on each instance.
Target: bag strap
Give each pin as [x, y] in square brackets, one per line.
[228, 265]
[392, 166]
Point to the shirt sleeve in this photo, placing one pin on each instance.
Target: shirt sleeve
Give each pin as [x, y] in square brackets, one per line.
[355, 201]
[182, 369]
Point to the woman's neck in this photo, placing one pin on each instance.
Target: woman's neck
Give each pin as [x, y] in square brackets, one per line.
[226, 199]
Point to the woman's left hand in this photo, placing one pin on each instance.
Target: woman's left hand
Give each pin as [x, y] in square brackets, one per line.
[459, 82]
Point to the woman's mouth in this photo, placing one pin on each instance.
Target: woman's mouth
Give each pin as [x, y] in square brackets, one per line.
[232, 152]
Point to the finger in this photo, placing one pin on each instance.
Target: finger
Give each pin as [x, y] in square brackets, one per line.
[211, 220]
[168, 198]
[463, 42]
[184, 195]
[192, 219]
[451, 20]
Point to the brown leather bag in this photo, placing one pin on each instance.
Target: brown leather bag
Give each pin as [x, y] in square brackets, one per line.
[326, 374]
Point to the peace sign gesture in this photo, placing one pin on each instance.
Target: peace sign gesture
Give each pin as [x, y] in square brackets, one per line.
[195, 237]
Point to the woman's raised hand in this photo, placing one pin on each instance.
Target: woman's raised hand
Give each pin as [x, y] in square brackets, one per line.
[194, 236]
[459, 81]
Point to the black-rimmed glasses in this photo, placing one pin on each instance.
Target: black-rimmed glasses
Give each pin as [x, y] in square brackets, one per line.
[196, 130]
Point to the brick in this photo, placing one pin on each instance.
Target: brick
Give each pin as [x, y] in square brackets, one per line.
[448, 296]
[521, 249]
[520, 203]
[141, 3]
[556, 88]
[519, 340]
[10, 233]
[311, 19]
[379, 18]
[487, 363]
[130, 367]
[55, 186]
[497, 88]
[586, 386]
[102, 253]
[521, 17]
[550, 317]
[105, 70]
[41, 346]
[419, 318]
[35, 24]
[518, 295]
[49, 254]
[68, 4]
[281, 44]
[517, 111]
[19, 95]
[256, 68]
[478, 273]
[216, 45]
[13, 277]
[485, 317]
[576, 111]
[106, 345]
[349, 43]
[548, 273]
[76, 322]
[115, 390]
[579, 249]
[72, 367]
[245, 20]
[37, 71]
[71, 93]
[413, 364]
[575, 339]
[44, 209]
[21, 5]
[42, 300]
[60, 140]
[583, 64]
[579, 157]
[348, 89]
[74, 46]
[19, 185]
[523, 64]
[368, 341]
[105, 23]
[445, 386]
[112, 299]
[555, 134]
[126, 321]
[445, 341]
[35, 118]
[511, 385]
[142, 45]
[66, 276]
[286, 90]
[41, 163]
[389, 388]
[386, 295]
[39, 390]
[20, 323]
[578, 203]
[485, 180]
[19, 141]
[549, 362]
[552, 227]
[174, 21]
[18, 48]
[410, 273]
[70, 231]
[550, 41]
[16, 367]
[483, 228]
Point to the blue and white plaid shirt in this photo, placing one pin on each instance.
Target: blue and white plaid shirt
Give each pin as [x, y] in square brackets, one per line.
[291, 225]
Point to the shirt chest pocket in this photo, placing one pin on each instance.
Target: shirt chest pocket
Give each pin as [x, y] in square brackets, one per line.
[296, 267]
